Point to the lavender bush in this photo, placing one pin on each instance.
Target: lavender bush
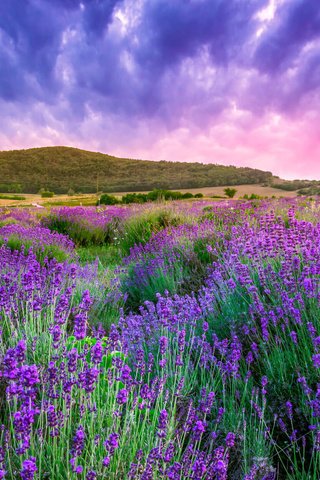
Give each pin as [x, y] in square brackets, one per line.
[216, 380]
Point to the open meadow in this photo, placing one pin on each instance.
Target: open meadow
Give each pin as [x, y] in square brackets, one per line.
[175, 340]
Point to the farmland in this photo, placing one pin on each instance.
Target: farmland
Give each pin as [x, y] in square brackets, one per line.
[91, 199]
[176, 340]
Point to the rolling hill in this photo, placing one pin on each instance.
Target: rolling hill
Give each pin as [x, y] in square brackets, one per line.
[62, 168]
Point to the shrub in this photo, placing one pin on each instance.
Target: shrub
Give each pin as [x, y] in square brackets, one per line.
[187, 195]
[43, 242]
[253, 196]
[135, 198]
[107, 199]
[138, 230]
[198, 195]
[47, 194]
[230, 192]
[156, 195]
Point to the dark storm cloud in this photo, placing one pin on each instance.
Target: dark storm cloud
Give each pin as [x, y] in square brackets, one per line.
[297, 23]
[176, 29]
[31, 35]
[97, 15]
[75, 52]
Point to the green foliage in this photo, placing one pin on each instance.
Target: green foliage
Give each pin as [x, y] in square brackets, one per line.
[158, 281]
[41, 251]
[230, 192]
[153, 196]
[12, 197]
[293, 185]
[158, 195]
[107, 255]
[253, 196]
[138, 229]
[184, 276]
[82, 233]
[107, 199]
[71, 192]
[314, 190]
[10, 187]
[47, 194]
[134, 198]
[62, 168]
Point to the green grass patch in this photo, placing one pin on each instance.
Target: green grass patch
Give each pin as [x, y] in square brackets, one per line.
[11, 197]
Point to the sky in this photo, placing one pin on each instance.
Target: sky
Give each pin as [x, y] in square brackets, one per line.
[233, 82]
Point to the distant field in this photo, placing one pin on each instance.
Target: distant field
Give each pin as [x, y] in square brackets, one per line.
[90, 199]
[241, 190]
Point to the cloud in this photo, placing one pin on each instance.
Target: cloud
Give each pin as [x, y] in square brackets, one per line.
[121, 74]
[296, 23]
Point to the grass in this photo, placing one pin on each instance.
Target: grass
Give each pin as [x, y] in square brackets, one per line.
[11, 197]
[41, 251]
[107, 255]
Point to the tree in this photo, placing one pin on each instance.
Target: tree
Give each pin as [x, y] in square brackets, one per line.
[230, 192]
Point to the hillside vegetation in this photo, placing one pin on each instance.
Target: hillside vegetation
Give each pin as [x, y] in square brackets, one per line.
[63, 168]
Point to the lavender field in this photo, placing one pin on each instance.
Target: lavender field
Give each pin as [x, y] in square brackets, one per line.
[174, 341]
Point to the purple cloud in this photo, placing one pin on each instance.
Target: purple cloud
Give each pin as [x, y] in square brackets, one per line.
[296, 24]
[71, 66]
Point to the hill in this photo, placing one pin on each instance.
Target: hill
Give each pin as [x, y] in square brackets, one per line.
[62, 168]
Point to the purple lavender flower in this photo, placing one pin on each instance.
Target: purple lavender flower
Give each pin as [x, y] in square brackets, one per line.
[29, 469]
[230, 440]
[162, 423]
[122, 396]
[112, 443]
[96, 353]
[163, 342]
[88, 379]
[289, 408]
[199, 429]
[78, 441]
[91, 475]
[316, 360]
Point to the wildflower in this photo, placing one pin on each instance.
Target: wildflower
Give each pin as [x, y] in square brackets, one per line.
[162, 424]
[78, 441]
[294, 337]
[199, 429]
[29, 469]
[289, 409]
[163, 343]
[88, 379]
[316, 360]
[91, 475]
[199, 468]
[264, 383]
[230, 439]
[96, 353]
[122, 396]
[112, 443]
